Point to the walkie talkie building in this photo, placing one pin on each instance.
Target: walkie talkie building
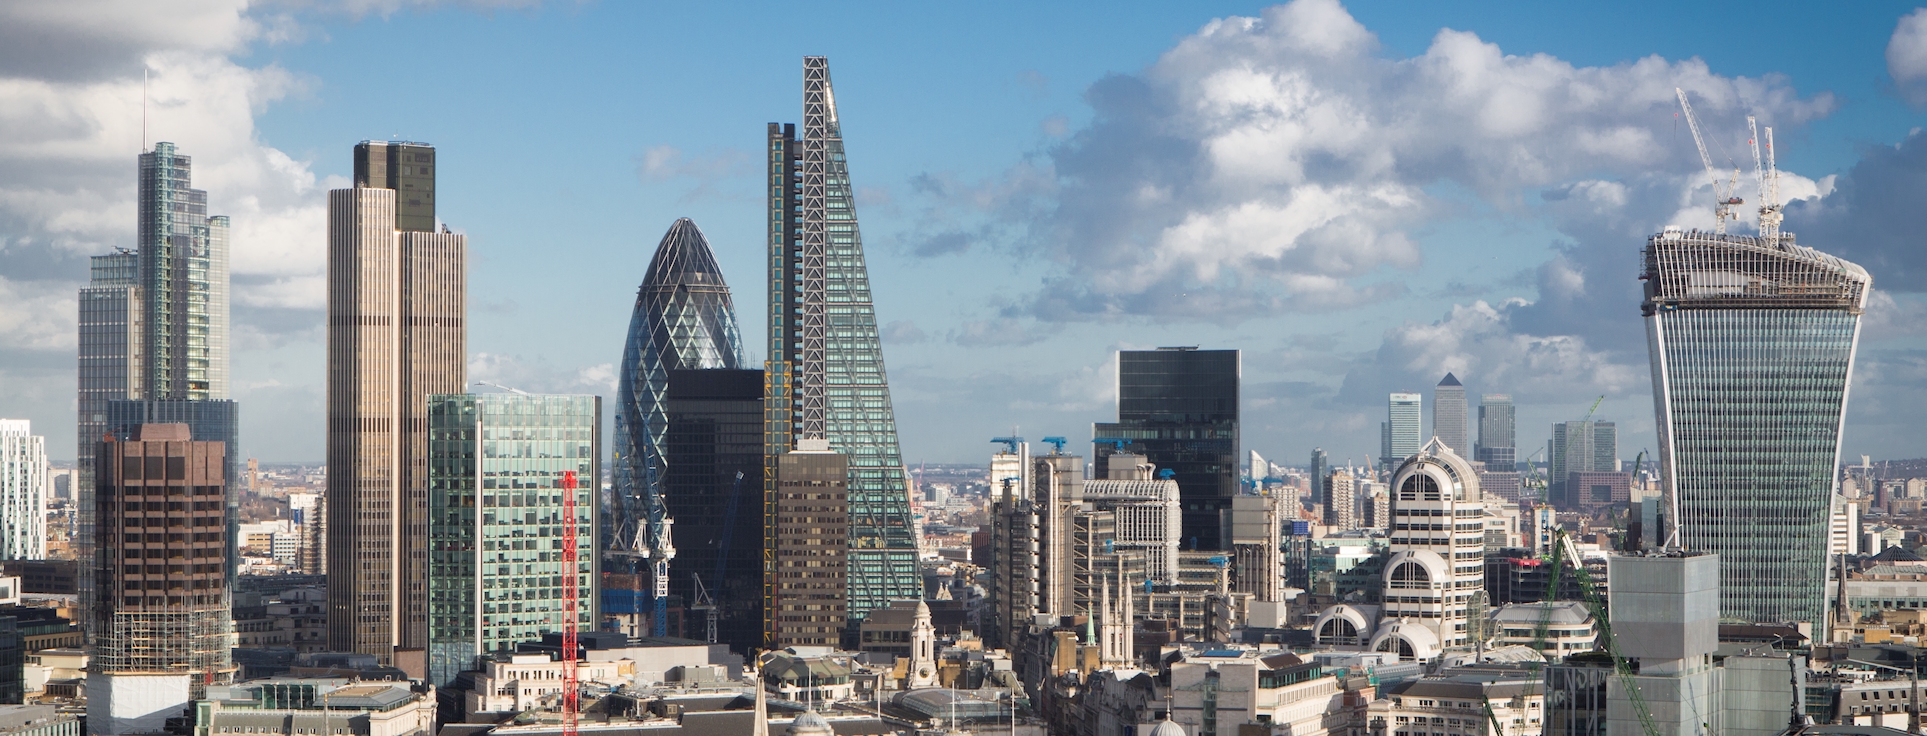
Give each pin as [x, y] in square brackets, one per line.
[1752, 344]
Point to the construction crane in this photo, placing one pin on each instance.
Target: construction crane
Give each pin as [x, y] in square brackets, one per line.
[1118, 444]
[705, 604]
[1057, 443]
[571, 695]
[664, 550]
[1595, 407]
[1723, 199]
[1010, 443]
[1769, 174]
[1621, 668]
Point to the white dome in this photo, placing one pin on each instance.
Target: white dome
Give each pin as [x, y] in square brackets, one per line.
[1168, 728]
[811, 724]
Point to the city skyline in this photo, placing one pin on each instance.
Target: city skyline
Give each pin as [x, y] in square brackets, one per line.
[1315, 386]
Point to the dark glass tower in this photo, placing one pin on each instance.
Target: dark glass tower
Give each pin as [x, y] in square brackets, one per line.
[713, 489]
[1752, 343]
[825, 373]
[1178, 407]
[683, 321]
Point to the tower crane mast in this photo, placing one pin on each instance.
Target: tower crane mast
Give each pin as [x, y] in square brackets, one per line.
[1723, 199]
[1769, 175]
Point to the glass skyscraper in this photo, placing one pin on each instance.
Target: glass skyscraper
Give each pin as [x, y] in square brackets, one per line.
[1178, 407]
[1448, 415]
[825, 377]
[1498, 435]
[153, 326]
[1400, 431]
[1752, 343]
[683, 320]
[495, 465]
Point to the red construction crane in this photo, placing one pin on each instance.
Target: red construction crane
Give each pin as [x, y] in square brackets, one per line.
[571, 697]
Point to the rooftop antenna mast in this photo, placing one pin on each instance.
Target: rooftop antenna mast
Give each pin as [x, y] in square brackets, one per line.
[1769, 173]
[1723, 199]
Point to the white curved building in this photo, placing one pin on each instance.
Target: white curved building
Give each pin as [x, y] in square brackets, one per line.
[1437, 568]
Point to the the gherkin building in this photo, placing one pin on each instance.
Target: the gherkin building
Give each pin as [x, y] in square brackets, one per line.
[683, 320]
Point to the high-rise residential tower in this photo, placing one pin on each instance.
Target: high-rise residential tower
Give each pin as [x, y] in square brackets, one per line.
[1752, 343]
[688, 423]
[161, 618]
[1498, 437]
[1400, 431]
[825, 376]
[396, 334]
[23, 491]
[1319, 470]
[495, 468]
[1448, 415]
[1178, 407]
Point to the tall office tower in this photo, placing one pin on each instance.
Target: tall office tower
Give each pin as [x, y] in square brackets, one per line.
[161, 622]
[810, 538]
[1178, 407]
[1258, 468]
[825, 372]
[1448, 415]
[183, 256]
[495, 471]
[682, 383]
[23, 491]
[396, 334]
[409, 169]
[1752, 344]
[111, 317]
[154, 322]
[1014, 550]
[1498, 437]
[1319, 470]
[1011, 466]
[714, 452]
[1399, 431]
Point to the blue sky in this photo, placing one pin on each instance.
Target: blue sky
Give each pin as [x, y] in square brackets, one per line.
[1354, 197]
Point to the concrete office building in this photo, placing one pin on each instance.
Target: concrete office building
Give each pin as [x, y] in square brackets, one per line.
[688, 431]
[825, 376]
[1448, 415]
[161, 625]
[23, 491]
[1400, 431]
[1579, 447]
[1178, 407]
[810, 527]
[1740, 329]
[396, 334]
[495, 515]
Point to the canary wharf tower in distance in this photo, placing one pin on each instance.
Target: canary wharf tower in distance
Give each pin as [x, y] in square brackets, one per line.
[825, 377]
[1752, 342]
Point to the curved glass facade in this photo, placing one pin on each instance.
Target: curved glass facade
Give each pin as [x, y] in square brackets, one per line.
[683, 320]
[1752, 345]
